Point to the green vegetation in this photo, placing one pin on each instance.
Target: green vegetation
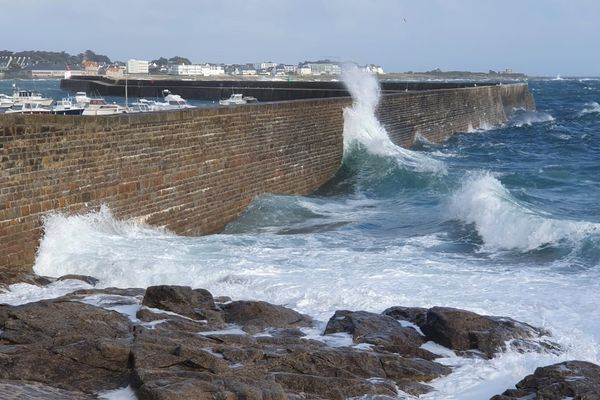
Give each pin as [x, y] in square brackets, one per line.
[59, 58]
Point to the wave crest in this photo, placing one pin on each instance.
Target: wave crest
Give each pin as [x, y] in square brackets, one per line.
[504, 223]
[590, 108]
[522, 118]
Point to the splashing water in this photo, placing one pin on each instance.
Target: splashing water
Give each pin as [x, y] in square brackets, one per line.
[362, 127]
[590, 108]
[505, 223]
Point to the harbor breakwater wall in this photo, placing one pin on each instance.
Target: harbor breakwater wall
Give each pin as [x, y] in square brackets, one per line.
[213, 90]
[193, 171]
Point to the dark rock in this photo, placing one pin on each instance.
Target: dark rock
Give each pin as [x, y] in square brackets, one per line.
[567, 380]
[196, 304]
[69, 345]
[8, 277]
[464, 330]
[256, 316]
[222, 299]
[177, 362]
[33, 390]
[333, 387]
[382, 331]
[416, 315]
[90, 280]
[130, 292]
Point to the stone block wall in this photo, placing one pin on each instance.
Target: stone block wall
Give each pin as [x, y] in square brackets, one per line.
[194, 171]
[437, 114]
[190, 171]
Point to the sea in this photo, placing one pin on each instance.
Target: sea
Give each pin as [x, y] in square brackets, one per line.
[501, 220]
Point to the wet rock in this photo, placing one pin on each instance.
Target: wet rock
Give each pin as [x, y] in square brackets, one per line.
[33, 390]
[382, 331]
[416, 315]
[256, 316]
[69, 345]
[177, 361]
[90, 280]
[333, 387]
[197, 304]
[8, 277]
[467, 331]
[222, 299]
[566, 380]
[130, 292]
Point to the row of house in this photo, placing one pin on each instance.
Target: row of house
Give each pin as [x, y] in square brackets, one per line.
[316, 68]
[141, 67]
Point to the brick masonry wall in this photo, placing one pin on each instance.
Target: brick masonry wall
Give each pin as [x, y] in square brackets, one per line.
[194, 171]
[437, 114]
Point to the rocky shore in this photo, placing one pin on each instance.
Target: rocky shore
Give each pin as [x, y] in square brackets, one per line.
[173, 342]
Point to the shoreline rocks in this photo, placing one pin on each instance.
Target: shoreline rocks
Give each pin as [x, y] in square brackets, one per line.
[180, 342]
[566, 380]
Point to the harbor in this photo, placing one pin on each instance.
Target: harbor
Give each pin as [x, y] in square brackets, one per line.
[46, 97]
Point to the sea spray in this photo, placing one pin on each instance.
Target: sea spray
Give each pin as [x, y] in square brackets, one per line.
[362, 128]
[521, 118]
[590, 108]
[504, 223]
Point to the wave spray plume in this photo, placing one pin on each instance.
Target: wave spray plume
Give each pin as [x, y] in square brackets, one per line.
[362, 127]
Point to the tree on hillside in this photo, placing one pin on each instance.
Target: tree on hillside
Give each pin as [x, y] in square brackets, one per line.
[89, 55]
[179, 60]
[161, 61]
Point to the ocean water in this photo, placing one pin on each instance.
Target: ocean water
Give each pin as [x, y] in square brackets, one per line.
[501, 221]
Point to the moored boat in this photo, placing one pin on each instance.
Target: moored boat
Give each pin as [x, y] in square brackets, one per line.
[28, 96]
[174, 101]
[27, 108]
[238, 98]
[99, 106]
[5, 101]
[66, 106]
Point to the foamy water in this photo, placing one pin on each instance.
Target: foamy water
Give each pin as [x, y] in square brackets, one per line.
[510, 228]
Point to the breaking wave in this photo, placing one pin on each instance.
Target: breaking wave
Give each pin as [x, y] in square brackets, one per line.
[362, 129]
[504, 223]
[590, 108]
[522, 118]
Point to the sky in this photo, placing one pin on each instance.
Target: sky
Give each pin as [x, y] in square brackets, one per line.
[547, 37]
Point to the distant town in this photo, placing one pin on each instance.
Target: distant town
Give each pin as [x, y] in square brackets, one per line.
[43, 64]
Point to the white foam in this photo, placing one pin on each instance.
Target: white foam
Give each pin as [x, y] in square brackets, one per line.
[317, 274]
[527, 118]
[361, 125]
[22, 293]
[505, 223]
[125, 393]
[590, 108]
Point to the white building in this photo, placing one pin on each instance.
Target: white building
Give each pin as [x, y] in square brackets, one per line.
[304, 70]
[197, 69]
[264, 65]
[137, 67]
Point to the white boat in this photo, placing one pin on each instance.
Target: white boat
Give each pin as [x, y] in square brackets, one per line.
[28, 96]
[140, 106]
[5, 101]
[27, 108]
[99, 106]
[82, 99]
[174, 101]
[66, 106]
[238, 98]
[151, 105]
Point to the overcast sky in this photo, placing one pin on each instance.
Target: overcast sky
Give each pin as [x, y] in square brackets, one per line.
[537, 37]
